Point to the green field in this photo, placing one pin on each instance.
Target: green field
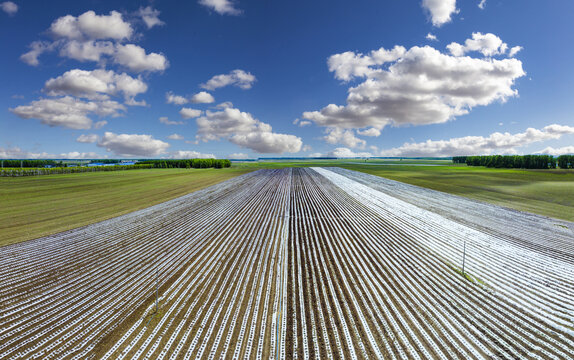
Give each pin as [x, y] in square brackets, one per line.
[35, 206]
[544, 192]
[41, 205]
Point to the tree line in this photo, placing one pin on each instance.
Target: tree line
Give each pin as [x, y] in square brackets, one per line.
[517, 161]
[31, 163]
[188, 163]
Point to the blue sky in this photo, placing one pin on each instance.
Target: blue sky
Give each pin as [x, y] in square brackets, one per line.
[240, 79]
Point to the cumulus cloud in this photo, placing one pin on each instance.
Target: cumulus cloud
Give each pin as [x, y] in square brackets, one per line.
[150, 16]
[345, 137]
[99, 38]
[100, 124]
[242, 129]
[96, 84]
[566, 150]
[189, 154]
[222, 7]
[346, 153]
[496, 143]
[188, 113]
[239, 78]
[202, 97]
[86, 50]
[68, 111]
[37, 48]
[18, 153]
[166, 121]
[487, 44]
[440, 11]
[172, 98]
[90, 26]
[349, 65]
[132, 145]
[9, 8]
[431, 37]
[224, 105]
[87, 139]
[236, 156]
[369, 132]
[482, 4]
[175, 137]
[134, 58]
[418, 86]
[514, 50]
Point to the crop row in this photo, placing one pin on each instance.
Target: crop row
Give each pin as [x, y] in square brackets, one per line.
[295, 263]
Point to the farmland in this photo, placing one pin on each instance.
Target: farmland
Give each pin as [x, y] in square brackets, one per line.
[296, 263]
[42, 205]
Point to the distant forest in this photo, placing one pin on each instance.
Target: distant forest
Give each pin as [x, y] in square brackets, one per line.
[517, 161]
[188, 164]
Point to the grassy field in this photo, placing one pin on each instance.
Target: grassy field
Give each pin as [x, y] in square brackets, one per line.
[38, 206]
[35, 206]
[544, 192]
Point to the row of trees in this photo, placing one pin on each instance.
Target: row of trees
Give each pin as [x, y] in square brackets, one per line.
[16, 172]
[516, 161]
[566, 161]
[188, 163]
[31, 163]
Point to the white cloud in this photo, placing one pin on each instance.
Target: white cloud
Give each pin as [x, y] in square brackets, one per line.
[440, 11]
[307, 148]
[134, 58]
[188, 113]
[17, 153]
[301, 123]
[166, 121]
[242, 129]
[68, 111]
[482, 4]
[87, 139]
[132, 144]
[100, 124]
[514, 50]
[187, 154]
[175, 137]
[345, 137]
[86, 50]
[369, 132]
[90, 26]
[172, 98]
[202, 97]
[346, 153]
[96, 84]
[421, 86]
[268, 142]
[496, 143]
[349, 65]
[487, 44]
[566, 150]
[224, 105]
[239, 78]
[431, 37]
[9, 7]
[150, 16]
[98, 38]
[222, 7]
[37, 48]
[237, 156]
